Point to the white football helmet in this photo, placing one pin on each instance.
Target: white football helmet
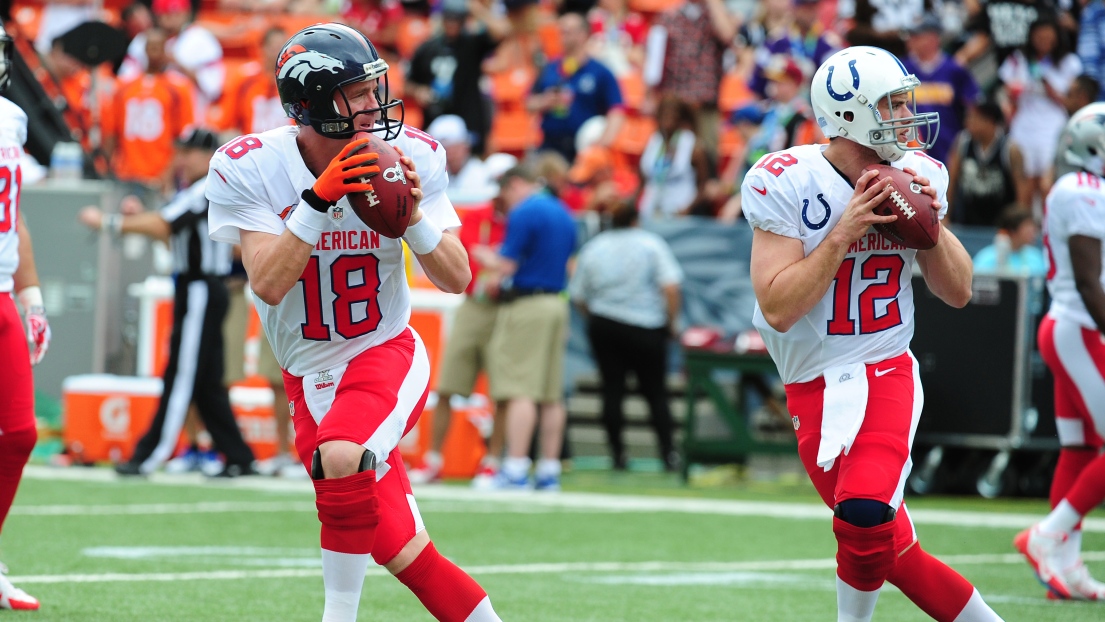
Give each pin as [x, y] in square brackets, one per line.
[6, 46]
[846, 91]
[1082, 142]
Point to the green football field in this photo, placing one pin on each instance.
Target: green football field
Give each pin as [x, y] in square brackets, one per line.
[610, 547]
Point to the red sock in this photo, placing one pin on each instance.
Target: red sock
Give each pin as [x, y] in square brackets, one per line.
[1072, 460]
[931, 584]
[447, 592]
[349, 512]
[15, 449]
[864, 555]
[1089, 489]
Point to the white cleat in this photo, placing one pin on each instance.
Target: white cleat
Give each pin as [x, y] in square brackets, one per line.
[1040, 548]
[12, 597]
[1082, 585]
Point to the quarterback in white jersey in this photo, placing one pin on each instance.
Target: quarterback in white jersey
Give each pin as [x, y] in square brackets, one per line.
[1071, 343]
[18, 431]
[334, 302]
[835, 308]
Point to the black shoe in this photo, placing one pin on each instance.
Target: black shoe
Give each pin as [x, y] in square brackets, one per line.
[128, 468]
[236, 470]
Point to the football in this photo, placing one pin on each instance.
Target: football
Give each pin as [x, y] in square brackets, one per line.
[389, 207]
[918, 225]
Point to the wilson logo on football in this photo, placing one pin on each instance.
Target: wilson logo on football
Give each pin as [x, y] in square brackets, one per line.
[395, 174]
[297, 63]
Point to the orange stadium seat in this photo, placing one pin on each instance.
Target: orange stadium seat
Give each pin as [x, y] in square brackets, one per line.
[633, 90]
[653, 6]
[514, 131]
[509, 88]
[733, 93]
[549, 35]
[413, 30]
[634, 135]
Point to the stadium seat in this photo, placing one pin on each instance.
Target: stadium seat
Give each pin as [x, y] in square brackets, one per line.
[653, 6]
[633, 90]
[733, 93]
[549, 35]
[514, 132]
[634, 135]
[509, 88]
[413, 30]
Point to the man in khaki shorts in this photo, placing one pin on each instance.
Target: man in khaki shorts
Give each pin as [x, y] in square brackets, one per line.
[466, 348]
[526, 353]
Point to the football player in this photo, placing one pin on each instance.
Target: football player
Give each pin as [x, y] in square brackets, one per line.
[1071, 343]
[835, 308]
[17, 274]
[334, 303]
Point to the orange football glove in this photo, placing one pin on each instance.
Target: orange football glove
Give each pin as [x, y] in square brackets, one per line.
[349, 171]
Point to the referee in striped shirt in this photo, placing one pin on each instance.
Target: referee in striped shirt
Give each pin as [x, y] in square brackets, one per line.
[194, 373]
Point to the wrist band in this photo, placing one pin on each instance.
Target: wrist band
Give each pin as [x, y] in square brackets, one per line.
[317, 203]
[30, 297]
[423, 237]
[307, 223]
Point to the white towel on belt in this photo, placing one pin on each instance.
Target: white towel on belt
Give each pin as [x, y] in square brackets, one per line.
[842, 415]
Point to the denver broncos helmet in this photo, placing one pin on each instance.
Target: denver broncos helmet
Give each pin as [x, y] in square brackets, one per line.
[6, 47]
[313, 67]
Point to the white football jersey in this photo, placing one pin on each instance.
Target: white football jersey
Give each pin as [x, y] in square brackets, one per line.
[13, 134]
[353, 294]
[867, 314]
[1074, 206]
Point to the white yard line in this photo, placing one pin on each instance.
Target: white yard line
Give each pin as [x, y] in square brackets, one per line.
[570, 568]
[527, 502]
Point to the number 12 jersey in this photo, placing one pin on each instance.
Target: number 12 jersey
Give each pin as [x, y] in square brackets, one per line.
[866, 316]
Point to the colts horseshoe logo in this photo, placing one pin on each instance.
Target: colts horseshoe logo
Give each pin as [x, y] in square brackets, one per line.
[824, 221]
[855, 83]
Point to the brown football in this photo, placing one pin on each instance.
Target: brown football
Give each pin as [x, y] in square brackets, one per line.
[389, 207]
[918, 224]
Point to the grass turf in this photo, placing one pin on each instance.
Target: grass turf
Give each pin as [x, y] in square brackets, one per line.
[185, 549]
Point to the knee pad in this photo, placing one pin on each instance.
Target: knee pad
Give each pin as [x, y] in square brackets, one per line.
[864, 512]
[368, 463]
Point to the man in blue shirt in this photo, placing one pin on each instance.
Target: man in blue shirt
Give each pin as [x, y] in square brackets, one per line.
[573, 89]
[946, 87]
[526, 353]
[1014, 250]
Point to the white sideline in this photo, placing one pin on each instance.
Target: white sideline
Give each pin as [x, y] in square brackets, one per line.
[519, 569]
[528, 502]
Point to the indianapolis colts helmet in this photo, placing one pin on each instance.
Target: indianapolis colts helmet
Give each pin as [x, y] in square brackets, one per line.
[6, 48]
[846, 91]
[316, 63]
[1082, 143]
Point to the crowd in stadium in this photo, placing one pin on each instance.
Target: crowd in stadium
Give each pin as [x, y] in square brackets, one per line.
[661, 102]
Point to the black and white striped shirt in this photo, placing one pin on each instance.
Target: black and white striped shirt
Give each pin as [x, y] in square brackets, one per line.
[195, 254]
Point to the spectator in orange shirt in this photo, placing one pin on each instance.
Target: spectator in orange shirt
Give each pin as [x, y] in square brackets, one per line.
[254, 105]
[149, 112]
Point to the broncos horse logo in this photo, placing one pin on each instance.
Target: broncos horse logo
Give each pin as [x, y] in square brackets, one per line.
[298, 63]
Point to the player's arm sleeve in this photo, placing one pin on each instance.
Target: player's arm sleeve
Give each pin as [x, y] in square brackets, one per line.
[769, 205]
[430, 164]
[237, 204]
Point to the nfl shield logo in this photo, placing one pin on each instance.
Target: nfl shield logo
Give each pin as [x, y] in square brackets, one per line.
[794, 420]
[337, 212]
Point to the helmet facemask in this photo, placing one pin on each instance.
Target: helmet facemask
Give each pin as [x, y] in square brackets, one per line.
[341, 126]
[6, 50]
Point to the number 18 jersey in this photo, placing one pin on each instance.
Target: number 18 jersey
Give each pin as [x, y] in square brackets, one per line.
[1074, 206]
[353, 294]
[866, 316]
[13, 133]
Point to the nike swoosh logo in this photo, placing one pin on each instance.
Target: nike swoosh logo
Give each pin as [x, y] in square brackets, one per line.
[763, 191]
[882, 372]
